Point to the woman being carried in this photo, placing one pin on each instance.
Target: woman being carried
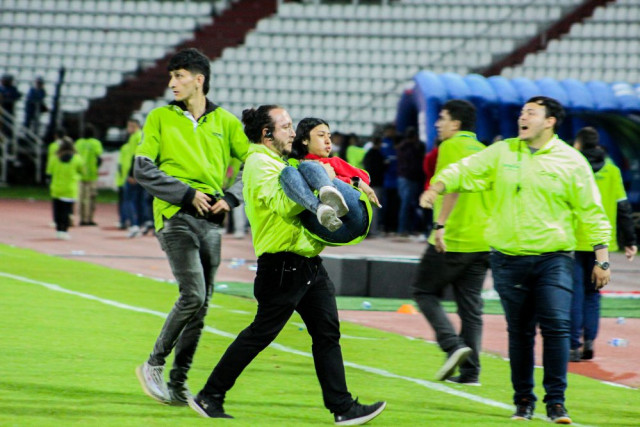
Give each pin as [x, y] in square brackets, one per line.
[342, 208]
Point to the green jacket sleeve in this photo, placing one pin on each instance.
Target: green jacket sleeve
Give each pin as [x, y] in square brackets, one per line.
[472, 174]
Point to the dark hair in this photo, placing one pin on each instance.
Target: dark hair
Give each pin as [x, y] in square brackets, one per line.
[552, 108]
[193, 61]
[136, 121]
[257, 119]
[464, 111]
[66, 147]
[410, 133]
[588, 137]
[303, 132]
[89, 131]
[60, 132]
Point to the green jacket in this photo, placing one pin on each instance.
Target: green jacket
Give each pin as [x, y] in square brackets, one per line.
[464, 231]
[611, 187]
[125, 157]
[65, 177]
[51, 153]
[275, 225]
[183, 155]
[536, 196]
[89, 149]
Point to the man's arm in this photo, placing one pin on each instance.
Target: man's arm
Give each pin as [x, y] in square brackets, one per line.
[448, 203]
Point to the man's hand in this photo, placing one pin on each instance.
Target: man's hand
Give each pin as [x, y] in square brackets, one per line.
[427, 198]
[630, 252]
[370, 193]
[201, 202]
[441, 247]
[599, 277]
[131, 180]
[220, 206]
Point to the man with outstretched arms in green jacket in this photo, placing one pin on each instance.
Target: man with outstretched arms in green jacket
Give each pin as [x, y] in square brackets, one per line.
[457, 254]
[290, 277]
[182, 161]
[540, 184]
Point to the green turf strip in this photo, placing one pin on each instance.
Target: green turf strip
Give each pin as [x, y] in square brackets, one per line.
[68, 360]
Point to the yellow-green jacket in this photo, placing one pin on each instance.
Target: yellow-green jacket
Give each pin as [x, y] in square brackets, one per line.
[536, 196]
[89, 149]
[273, 216]
[125, 157]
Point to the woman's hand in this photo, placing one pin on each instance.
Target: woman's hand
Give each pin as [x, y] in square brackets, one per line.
[371, 195]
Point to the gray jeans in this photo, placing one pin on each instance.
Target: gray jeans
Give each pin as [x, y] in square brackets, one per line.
[193, 248]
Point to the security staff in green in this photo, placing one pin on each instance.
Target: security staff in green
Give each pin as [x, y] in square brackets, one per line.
[457, 254]
[540, 185]
[290, 277]
[181, 161]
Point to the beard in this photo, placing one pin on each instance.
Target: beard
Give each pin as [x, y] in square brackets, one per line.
[282, 146]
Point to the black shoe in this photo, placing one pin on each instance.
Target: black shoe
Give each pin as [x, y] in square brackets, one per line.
[454, 360]
[359, 414]
[208, 407]
[574, 355]
[524, 410]
[557, 413]
[178, 394]
[587, 350]
[464, 380]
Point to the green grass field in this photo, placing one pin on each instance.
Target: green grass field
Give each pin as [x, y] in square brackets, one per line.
[73, 333]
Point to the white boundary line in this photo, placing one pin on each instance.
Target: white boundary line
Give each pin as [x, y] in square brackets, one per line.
[381, 372]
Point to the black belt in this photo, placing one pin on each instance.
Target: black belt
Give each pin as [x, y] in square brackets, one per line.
[211, 217]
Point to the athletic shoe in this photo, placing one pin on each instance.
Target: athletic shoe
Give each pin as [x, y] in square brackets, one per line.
[147, 227]
[524, 410]
[62, 235]
[327, 217]
[207, 407]
[134, 231]
[178, 394]
[574, 355]
[464, 380]
[453, 361]
[557, 413]
[587, 350]
[332, 197]
[359, 414]
[152, 381]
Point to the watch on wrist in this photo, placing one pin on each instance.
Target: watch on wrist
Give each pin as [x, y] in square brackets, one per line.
[437, 226]
[355, 181]
[603, 264]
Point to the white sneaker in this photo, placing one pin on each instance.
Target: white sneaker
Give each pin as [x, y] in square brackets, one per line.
[133, 232]
[62, 235]
[332, 197]
[152, 381]
[327, 217]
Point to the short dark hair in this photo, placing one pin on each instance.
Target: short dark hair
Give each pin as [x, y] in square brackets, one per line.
[303, 132]
[588, 137]
[552, 109]
[89, 131]
[193, 61]
[463, 111]
[256, 119]
[134, 120]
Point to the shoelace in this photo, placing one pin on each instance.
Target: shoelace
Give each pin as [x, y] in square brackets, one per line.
[157, 374]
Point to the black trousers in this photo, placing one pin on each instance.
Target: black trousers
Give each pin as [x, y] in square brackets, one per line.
[61, 212]
[286, 282]
[466, 273]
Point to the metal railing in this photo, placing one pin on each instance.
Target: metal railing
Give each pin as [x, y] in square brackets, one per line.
[16, 139]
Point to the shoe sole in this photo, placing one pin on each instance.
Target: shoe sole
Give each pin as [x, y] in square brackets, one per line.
[336, 201]
[519, 418]
[561, 420]
[449, 367]
[365, 419]
[193, 405]
[146, 389]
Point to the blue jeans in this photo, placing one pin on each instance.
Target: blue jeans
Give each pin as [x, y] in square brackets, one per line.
[298, 184]
[409, 192]
[536, 290]
[585, 309]
[136, 201]
[192, 246]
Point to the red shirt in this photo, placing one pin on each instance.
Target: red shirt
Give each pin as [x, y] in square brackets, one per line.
[344, 171]
[429, 166]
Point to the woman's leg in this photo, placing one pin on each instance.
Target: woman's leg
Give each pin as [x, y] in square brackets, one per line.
[297, 189]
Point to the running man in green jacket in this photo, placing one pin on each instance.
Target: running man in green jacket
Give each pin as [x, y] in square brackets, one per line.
[182, 161]
[457, 254]
[290, 278]
[540, 184]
